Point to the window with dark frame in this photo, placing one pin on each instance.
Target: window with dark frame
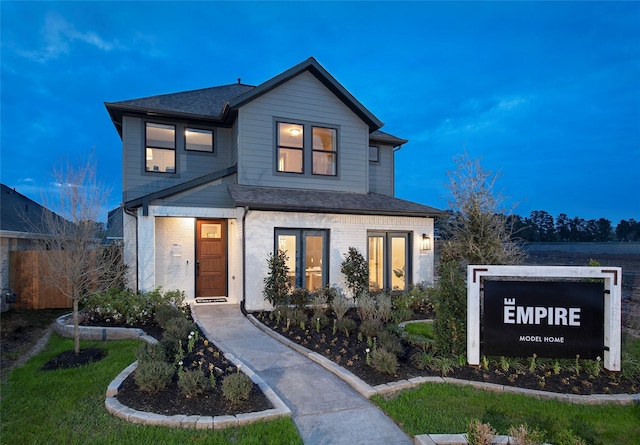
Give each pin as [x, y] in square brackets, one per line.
[290, 148]
[198, 139]
[295, 141]
[325, 151]
[307, 256]
[389, 260]
[160, 148]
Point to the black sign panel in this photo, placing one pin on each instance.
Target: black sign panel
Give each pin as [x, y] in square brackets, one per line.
[556, 319]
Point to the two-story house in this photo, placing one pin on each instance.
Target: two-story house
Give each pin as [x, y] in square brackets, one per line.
[217, 179]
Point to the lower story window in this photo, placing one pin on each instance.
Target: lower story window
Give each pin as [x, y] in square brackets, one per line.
[307, 253]
[389, 261]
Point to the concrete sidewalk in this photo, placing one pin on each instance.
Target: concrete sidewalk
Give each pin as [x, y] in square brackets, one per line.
[324, 408]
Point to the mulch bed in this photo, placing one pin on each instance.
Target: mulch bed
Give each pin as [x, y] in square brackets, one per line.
[170, 401]
[69, 359]
[350, 353]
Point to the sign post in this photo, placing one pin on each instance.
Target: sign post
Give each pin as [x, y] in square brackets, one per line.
[529, 310]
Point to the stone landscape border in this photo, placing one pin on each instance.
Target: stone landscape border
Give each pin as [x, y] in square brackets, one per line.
[116, 408]
[368, 391]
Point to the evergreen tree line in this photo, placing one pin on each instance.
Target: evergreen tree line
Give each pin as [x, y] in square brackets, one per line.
[540, 226]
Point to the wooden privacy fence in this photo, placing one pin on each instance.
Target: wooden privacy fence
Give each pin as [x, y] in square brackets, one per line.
[30, 281]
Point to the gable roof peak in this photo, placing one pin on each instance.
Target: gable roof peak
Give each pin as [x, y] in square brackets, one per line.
[313, 66]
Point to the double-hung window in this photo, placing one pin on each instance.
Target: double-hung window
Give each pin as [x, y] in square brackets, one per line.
[290, 148]
[307, 256]
[325, 151]
[389, 260]
[302, 148]
[160, 143]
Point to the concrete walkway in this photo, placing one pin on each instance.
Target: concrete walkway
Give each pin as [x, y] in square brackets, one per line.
[324, 408]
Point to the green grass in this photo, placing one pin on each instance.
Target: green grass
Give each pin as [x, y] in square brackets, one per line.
[445, 408]
[424, 329]
[67, 406]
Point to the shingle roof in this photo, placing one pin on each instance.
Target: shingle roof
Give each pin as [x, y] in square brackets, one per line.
[219, 104]
[19, 213]
[205, 102]
[322, 201]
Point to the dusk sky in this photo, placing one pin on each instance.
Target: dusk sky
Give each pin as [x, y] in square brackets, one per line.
[546, 93]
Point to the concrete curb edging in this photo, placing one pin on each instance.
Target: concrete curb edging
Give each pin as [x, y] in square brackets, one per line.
[455, 439]
[113, 406]
[368, 391]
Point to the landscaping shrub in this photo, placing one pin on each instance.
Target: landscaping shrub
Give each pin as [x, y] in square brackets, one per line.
[178, 329]
[326, 294]
[166, 312]
[276, 284]
[356, 272]
[479, 433]
[296, 316]
[236, 387]
[153, 376]
[192, 382]
[389, 341]
[128, 307]
[525, 435]
[340, 306]
[366, 307]
[449, 326]
[346, 325]
[384, 361]
[299, 298]
[170, 348]
[383, 307]
[150, 352]
[371, 328]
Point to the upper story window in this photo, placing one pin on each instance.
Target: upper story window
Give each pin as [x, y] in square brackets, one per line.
[325, 151]
[290, 148]
[304, 147]
[160, 143]
[374, 153]
[197, 139]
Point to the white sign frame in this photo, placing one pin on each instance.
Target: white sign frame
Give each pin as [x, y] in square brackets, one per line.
[612, 302]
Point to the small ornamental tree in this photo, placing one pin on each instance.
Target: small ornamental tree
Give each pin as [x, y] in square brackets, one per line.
[355, 269]
[450, 301]
[77, 263]
[276, 284]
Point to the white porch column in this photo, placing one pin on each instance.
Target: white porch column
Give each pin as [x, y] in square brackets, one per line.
[146, 252]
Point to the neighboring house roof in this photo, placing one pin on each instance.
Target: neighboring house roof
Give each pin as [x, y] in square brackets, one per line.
[220, 104]
[322, 201]
[20, 217]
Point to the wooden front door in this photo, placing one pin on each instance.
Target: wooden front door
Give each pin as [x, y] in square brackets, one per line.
[211, 258]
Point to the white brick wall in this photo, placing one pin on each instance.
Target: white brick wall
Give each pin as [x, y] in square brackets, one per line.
[345, 231]
[166, 226]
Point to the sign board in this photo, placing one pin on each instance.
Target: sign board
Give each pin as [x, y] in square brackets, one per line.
[550, 311]
[556, 319]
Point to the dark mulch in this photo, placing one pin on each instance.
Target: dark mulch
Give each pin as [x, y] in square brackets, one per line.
[170, 401]
[350, 353]
[69, 359]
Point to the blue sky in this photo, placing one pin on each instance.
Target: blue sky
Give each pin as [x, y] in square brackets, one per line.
[547, 94]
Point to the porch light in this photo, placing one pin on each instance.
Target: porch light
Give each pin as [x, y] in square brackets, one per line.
[425, 243]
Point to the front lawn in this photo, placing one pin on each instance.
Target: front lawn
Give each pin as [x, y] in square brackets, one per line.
[445, 408]
[67, 406]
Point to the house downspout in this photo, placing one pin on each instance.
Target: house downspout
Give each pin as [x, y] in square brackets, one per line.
[244, 262]
[135, 216]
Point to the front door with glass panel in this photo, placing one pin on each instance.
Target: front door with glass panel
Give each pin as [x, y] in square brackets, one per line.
[211, 258]
[306, 257]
